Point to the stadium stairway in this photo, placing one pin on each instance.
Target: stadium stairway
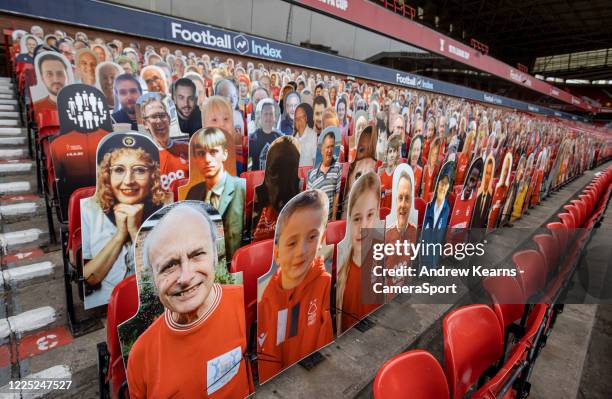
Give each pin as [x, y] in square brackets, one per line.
[35, 340]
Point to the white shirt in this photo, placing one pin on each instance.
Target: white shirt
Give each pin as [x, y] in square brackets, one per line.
[96, 232]
[308, 147]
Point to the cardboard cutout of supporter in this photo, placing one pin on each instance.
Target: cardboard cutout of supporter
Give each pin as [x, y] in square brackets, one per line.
[360, 122]
[327, 172]
[86, 63]
[303, 125]
[437, 214]
[539, 177]
[267, 114]
[215, 348]
[53, 73]
[27, 45]
[281, 183]
[533, 177]
[387, 168]
[464, 204]
[501, 191]
[128, 190]
[17, 35]
[512, 192]
[173, 152]
[480, 215]
[211, 183]
[430, 170]
[156, 85]
[106, 72]
[364, 161]
[523, 187]
[415, 161]
[84, 121]
[402, 223]
[381, 135]
[293, 297]
[354, 278]
[102, 53]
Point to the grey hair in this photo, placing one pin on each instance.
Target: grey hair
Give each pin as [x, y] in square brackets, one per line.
[146, 264]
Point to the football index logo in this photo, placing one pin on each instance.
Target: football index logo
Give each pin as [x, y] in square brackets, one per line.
[241, 44]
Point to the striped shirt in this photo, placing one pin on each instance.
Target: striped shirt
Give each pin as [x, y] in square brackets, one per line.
[328, 182]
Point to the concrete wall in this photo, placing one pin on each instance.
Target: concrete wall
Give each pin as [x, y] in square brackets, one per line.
[278, 20]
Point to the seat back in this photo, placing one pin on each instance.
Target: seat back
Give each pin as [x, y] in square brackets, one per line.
[473, 341]
[174, 187]
[253, 260]
[558, 230]
[253, 179]
[532, 271]
[303, 174]
[123, 305]
[384, 212]
[504, 289]
[415, 374]
[74, 219]
[335, 231]
[420, 205]
[547, 245]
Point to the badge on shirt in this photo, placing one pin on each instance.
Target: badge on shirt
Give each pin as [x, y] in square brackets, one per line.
[220, 370]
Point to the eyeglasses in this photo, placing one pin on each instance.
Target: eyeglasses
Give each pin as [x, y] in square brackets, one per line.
[161, 116]
[138, 172]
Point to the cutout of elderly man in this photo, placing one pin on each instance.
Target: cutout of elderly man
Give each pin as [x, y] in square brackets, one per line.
[223, 191]
[202, 328]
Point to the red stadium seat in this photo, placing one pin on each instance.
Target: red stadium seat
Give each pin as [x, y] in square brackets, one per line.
[508, 373]
[123, 305]
[473, 341]
[74, 223]
[384, 212]
[414, 375]
[420, 206]
[303, 174]
[504, 289]
[547, 245]
[532, 271]
[253, 179]
[559, 231]
[174, 187]
[335, 232]
[253, 260]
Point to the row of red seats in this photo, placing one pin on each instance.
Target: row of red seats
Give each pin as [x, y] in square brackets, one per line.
[476, 336]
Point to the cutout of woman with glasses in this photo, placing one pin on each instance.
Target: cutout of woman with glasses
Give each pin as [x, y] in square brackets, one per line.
[128, 191]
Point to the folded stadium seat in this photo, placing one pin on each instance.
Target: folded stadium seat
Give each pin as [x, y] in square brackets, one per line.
[532, 271]
[74, 223]
[457, 189]
[504, 289]
[334, 233]
[345, 169]
[420, 206]
[575, 212]
[174, 186]
[122, 305]
[500, 386]
[384, 212]
[547, 245]
[473, 342]
[412, 375]
[253, 179]
[580, 206]
[303, 174]
[559, 231]
[253, 260]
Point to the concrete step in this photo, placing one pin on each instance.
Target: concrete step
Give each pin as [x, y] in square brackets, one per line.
[27, 322]
[13, 153]
[8, 107]
[9, 122]
[16, 168]
[12, 131]
[16, 211]
[5, 101]
[9, 114]
[7, 96]
[16, 238]
[13, 141]
[16, 187]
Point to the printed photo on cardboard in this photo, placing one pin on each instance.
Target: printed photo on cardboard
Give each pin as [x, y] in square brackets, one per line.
[360, 122]
[385, 171]
[437, 213]
[484, 198]
[512, 192]
[523, 187]
[281, 183]
[293, 307]
[354, 269]
[364, 160]
[53, 73]
[27, 45]
[86, 63]
[327, 173]
[402, 223]
[501, 191]
[465, 200]
[185, 96]
[84, 121]
[266, 120]
[211, 183]
[430, 170]
[106, 72]
[184, 288]
[303, 131]
[128, 191]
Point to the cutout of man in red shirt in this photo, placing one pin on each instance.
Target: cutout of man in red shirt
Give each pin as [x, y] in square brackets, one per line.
[196, 349]
[294, 317]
